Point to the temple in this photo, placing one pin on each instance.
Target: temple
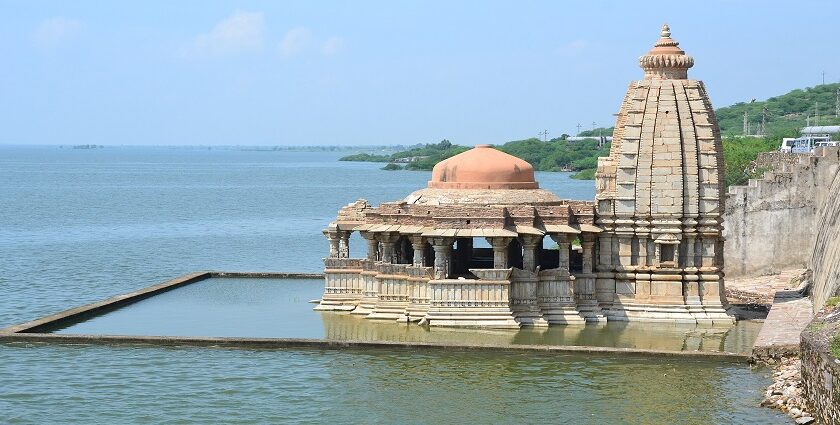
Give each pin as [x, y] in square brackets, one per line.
[649, 248]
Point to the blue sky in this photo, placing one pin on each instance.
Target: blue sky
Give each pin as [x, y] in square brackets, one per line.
[353, 73]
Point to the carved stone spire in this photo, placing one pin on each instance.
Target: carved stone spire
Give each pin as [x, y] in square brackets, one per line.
[666, 61]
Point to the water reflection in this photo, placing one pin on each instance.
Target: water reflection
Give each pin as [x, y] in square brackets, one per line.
[278, 308]
[739, 338]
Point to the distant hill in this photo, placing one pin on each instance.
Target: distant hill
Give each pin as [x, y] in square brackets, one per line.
[786, 114]
[553, 155]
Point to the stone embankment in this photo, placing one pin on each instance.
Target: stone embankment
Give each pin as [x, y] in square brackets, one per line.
[786, 391]
[772, 223]
[825, 260]
[820, 365]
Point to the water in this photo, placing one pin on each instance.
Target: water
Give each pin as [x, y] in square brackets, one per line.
[279, 308]
[78, 226]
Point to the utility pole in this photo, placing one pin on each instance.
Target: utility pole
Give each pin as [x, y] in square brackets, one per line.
[746, 124]
[817, 112]
[837, 105]
[763, 130]
[578, 133]
[823, 76]
[544, 135]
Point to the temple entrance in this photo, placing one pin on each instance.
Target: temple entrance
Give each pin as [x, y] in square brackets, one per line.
[471, 253]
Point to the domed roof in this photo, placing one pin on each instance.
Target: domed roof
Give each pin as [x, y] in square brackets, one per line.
[483, 167]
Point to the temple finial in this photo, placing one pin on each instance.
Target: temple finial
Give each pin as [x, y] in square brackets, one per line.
[666, 31]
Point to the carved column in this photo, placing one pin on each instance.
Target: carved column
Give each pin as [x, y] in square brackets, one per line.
[563, 245]
[689, 250]
[389, 253]
[372, 245]
[443, 262]
[500, 251]
[332, 237]
[530, 244]
[587, 243]
[643, 243]
[418, 243]
[587, 302]
[344, 244]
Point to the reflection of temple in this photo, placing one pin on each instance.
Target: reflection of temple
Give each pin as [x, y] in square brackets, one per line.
[657, 227]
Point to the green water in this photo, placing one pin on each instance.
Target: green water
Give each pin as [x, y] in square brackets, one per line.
[78, 226]
[279, 308]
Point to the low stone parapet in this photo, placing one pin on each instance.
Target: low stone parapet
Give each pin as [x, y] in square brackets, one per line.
[482, 302]
[343, 284]
[821, 367]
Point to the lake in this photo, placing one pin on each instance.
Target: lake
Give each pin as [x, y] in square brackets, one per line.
[78, 226]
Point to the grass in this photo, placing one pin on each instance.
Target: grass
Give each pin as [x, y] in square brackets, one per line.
[833, 301]
[816, 327]
[834, 347]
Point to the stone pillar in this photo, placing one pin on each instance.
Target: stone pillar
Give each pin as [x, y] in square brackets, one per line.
[332, 237]
[643, 258]
[443, 262]
[587, 303]
[563, 246]
[500, 251]
[530, 245]
[587, 243]
[605, 251]
[689, 250]
[389, 252]
[344, 244]
[372, 245]
[418, 243]
[625, 250]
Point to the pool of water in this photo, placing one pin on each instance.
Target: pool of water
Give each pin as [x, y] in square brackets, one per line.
[279, 308]
[98, 384]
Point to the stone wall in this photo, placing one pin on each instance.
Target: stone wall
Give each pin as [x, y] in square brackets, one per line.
[820, 369]
[825, 261]
[772, 223]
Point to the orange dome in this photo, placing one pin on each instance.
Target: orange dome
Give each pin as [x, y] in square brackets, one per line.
[483, 167]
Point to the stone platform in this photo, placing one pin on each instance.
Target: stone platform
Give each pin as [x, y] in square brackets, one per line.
[788, 317]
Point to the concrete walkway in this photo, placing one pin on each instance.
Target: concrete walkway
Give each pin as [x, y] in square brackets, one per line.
[788, 316]
[761, 289]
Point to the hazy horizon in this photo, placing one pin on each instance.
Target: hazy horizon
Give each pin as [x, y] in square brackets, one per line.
[260, 73]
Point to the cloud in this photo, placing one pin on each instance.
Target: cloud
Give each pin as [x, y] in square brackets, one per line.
[332, 46]
[55, 30]
[295, 41]
[238, 32]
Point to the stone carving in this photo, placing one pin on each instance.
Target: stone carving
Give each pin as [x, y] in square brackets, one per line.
[650, 245]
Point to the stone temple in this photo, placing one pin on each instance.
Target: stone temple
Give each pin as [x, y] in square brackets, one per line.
[650, 245]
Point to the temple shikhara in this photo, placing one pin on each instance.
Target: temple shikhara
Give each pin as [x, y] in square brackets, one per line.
[468, 250]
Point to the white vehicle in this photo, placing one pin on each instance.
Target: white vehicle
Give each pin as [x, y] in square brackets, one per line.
[805, 144]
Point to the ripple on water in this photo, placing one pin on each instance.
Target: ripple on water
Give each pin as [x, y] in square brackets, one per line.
[79, 226]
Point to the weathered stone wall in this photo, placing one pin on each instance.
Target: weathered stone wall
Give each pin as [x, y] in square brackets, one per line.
[772, 223]
[778, 161]
[820, 370]
[825, 261]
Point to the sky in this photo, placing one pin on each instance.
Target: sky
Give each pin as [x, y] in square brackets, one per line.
[377, 72]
